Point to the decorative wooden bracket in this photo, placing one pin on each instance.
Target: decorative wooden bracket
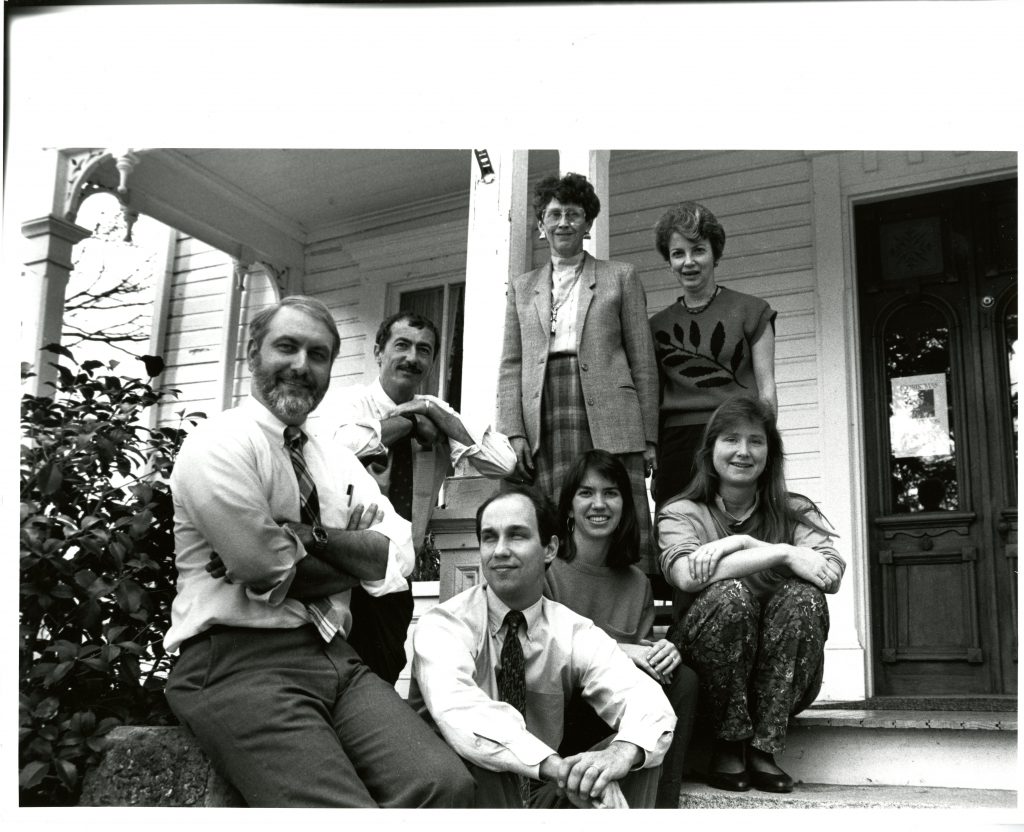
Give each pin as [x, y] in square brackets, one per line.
[279, 276]
[84, 181]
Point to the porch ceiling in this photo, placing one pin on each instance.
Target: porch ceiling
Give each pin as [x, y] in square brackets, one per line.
[266, 204]
[314, 189]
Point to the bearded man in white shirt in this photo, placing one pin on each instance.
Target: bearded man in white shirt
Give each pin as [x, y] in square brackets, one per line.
[410, 441]
[272, 531]
[494, 667]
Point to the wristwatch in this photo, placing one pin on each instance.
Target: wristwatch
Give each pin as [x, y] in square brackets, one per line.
[319, 536]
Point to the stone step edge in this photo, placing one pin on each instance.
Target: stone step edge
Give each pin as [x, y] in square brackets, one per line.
[927, 720]
[827, 796]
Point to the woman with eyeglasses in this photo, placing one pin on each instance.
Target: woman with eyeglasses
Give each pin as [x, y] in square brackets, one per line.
[577, 367]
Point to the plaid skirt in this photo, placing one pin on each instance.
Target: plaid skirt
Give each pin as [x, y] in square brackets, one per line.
[565, 434]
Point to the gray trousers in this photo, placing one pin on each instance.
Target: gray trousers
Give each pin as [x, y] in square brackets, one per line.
[293, 722]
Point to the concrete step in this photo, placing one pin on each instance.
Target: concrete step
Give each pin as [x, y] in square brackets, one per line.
[946, 749]
[828, 796]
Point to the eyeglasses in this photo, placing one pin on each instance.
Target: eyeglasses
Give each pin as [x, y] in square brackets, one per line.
[571, 217]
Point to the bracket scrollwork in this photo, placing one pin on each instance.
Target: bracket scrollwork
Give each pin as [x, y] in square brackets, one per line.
[278, 275]
[82, 181]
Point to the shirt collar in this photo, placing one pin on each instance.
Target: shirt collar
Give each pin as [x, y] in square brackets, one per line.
[565, 262]
[267, 420]
[721, 505]
[497, 610]
[378, 394]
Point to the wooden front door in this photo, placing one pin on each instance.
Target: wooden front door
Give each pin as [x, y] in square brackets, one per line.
[937, 288]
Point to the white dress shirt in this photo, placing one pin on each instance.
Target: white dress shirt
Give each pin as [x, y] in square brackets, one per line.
[233, 484]
[457, 646]
[353, 416]
[566, 273]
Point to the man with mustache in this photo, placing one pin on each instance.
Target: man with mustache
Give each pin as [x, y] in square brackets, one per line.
[378, 422]
[272, 531]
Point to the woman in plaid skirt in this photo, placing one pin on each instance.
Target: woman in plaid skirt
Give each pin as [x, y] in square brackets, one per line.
[751, 563]
[578, 369]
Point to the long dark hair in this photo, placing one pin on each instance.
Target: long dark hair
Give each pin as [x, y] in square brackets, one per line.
[779, 510]
[624, 547]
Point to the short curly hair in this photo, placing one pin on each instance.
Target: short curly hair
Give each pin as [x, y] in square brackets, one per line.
[573, 188]
[693, 221]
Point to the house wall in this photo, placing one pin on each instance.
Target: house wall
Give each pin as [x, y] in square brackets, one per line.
[198, 276]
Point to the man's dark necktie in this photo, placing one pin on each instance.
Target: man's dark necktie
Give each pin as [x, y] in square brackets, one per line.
[400, 486]
[320, 610]
[512, 679]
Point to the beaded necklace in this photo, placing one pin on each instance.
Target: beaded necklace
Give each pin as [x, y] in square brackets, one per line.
[697, 309]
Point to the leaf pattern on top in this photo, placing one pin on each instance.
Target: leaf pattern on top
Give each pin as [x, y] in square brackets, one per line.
[717, 340]
[687, 360]
[737, 356]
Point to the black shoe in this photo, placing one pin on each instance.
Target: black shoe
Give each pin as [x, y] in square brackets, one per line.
[731, 781]
[770, 778]
[766, 781]
[729, 755]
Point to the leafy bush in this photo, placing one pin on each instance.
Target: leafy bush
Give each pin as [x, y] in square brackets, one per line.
[97, 570]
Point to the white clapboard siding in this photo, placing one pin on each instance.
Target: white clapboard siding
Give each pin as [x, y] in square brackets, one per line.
[763, 200]
[195, 319]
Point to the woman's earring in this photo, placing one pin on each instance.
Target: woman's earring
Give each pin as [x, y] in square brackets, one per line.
[541, 235]
[586, 235]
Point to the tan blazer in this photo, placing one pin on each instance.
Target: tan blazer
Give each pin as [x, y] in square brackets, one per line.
[618, 371]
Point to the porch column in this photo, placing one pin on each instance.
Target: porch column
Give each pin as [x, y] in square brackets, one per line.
[229, 349]
[497, 250]
[593, 164]
[47, 268]
[845, 666]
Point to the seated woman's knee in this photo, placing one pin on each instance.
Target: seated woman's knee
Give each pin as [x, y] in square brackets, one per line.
[731, 598]
[798, 599]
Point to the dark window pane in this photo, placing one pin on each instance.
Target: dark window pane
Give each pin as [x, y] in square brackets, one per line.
[1010, 344]
[911, 248]
[923, 471]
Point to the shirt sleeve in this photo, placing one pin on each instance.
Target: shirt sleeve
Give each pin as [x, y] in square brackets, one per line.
[677, 534]
[218, 484]
[486, 732]
[490, 454]
[623, 695]
[811, 538]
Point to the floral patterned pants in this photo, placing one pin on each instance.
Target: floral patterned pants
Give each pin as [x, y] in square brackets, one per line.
[759, 661]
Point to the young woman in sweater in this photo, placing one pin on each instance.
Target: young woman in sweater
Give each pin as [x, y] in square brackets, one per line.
[595, 576]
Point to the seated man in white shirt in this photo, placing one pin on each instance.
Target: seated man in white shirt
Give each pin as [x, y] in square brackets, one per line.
[270, 536]
[378, 423]
[500, 703]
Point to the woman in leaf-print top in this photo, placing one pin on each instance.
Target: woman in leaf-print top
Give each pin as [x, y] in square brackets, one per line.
[712, 343]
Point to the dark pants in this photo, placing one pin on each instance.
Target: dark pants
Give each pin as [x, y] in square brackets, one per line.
[584, 728]
[379, 628]
[759, 662]
[677, 454]
[293, 722]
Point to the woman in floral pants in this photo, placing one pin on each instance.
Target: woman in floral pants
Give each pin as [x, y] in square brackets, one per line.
[751, 563]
